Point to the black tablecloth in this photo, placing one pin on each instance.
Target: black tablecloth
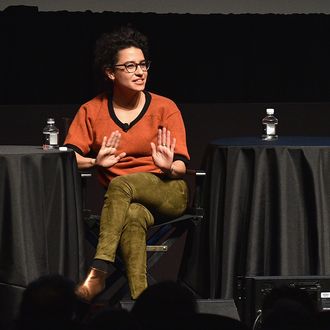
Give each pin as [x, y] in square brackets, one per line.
[267, 209]
[40, 219]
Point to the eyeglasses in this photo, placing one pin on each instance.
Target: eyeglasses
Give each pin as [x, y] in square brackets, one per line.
[131, 67]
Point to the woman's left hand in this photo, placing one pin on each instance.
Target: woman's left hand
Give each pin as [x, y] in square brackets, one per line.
[163, 153]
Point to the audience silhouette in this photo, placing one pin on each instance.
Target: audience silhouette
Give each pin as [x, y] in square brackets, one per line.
[201, 321]
[288, 308]
[113, 318]
[323, 320]
[48, 303]
[164, 305]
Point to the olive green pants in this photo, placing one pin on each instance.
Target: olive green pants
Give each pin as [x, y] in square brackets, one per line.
[132, 203]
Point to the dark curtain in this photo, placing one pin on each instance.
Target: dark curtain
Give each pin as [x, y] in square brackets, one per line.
[46, 57]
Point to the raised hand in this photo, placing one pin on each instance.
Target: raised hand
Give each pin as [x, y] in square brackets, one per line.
[107, 154]
[163, 153]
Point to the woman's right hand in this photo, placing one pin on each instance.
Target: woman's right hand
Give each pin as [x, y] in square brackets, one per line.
[107, 154]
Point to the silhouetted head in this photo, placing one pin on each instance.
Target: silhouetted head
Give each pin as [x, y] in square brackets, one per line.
[323, 320]
[109, 318]
[165, 305]
[47, 302]
[201, 321]
[288, 308]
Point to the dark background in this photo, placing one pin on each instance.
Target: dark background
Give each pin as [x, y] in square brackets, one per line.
[46, 57]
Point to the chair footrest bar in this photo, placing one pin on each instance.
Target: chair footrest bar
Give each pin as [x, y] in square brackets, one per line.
[157, 248]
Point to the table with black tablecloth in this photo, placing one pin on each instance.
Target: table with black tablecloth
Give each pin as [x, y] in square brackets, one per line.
[41, 229]
[267, 207]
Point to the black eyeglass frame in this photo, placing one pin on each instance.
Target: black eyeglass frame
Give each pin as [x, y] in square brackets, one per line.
[143, 63]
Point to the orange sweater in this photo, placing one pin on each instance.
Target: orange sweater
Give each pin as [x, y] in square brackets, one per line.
[96, 119]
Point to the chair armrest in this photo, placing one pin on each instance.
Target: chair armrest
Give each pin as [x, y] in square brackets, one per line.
[196, 172]
[197, 190]
[85, 174]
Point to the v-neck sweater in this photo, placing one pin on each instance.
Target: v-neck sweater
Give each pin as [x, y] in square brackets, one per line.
[96, 119]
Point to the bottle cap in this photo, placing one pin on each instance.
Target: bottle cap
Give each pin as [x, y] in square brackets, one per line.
[50, 121]
[270, 111]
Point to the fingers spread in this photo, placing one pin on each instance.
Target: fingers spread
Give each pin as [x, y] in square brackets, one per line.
[153, 147]
[164, 136]
[173, 145]
[104, 142]
[159, 137]
[168, 138]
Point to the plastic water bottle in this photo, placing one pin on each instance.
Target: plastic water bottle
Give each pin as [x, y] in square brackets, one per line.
[50, 134]
[269, 122]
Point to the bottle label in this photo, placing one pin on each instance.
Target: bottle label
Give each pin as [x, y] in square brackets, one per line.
[53, 138]
[270, 129]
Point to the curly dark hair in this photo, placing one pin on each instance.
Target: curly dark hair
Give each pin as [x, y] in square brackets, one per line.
[109, 44]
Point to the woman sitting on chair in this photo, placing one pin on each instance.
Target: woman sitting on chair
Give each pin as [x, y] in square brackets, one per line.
[139, 141]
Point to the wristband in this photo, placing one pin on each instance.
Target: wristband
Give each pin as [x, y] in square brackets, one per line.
[169, 171]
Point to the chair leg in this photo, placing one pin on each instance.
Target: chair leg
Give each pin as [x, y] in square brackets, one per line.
[169, 239]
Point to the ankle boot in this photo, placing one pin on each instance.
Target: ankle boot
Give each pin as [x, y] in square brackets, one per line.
[93, 285]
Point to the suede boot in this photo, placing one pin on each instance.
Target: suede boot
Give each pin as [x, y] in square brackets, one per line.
[133, 247]
[93, 285]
